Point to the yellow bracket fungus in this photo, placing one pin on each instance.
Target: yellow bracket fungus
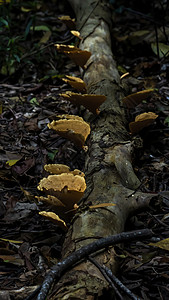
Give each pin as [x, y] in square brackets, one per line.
[90, 101]
[73, 128]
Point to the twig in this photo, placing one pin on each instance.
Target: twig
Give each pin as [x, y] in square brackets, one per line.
[120, 284]
[32, 295]
[61, 267]
[93, 261]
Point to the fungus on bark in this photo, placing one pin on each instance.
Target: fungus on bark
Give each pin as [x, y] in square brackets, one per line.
[142, 121]
[67, 187]
[76, 83]
[71, 127]
[78, 56]
[54, 218]
[59, 169]
[89, 101]
[134, 99]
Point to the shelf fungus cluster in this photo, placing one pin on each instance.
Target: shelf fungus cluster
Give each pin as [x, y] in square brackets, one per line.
[64, 188]
[71, 127]
[90, 101]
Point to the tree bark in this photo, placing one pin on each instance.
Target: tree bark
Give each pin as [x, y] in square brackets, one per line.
[108, 169]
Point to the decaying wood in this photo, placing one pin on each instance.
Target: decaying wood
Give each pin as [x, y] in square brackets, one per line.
[109, 173]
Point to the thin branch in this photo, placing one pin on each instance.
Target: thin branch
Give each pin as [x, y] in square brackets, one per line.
[93, 261]
[61, 267]
[120, 284]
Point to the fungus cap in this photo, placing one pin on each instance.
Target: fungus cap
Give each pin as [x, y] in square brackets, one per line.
[59, 169]
[76, 83]
[141, 121]
[73, 128]
[54, 218]
[90, 101]
[62, 48]
[68, 188]
[52, 200]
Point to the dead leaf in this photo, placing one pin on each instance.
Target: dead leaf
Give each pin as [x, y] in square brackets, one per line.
[163, 49]
[45, 37]
[163, 244]
[102, 205]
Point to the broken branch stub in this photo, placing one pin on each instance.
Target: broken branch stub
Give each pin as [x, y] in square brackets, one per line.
[73, 128]
[89, 101]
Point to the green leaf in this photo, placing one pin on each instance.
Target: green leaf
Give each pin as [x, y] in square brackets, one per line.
[34, 101]
[166, 121]
[40, 28]
[12, 162]
[4, 70]
[28, 28]
[52, 154]
[5, 22]
[17, 57]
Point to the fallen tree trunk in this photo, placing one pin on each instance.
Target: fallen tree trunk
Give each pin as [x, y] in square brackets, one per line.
[109, 173]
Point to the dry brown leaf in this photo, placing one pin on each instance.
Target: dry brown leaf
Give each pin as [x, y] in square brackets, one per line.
[102, 205]
[73, 128]
[55, 219]
[163, 244]
[136, 98]
[90, 101]
[141, 121]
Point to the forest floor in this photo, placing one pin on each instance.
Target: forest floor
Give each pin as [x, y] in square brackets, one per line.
[30, 83]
